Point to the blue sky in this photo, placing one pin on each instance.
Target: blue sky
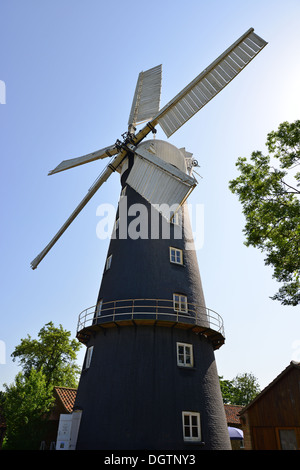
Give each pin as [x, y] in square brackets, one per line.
[70, 70]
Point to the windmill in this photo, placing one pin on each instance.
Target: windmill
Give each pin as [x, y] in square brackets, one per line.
[150, 309]
[171, 117]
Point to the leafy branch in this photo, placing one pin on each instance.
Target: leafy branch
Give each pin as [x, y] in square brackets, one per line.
[271, 210]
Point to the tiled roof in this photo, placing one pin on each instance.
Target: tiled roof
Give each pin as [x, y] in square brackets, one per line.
[232, 412]
[67, 397]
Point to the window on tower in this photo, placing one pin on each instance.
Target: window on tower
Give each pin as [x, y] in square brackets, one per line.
[191, 426]
[176, 255]
[180, 303]
[99, 307]
[185, 355]
[116, 225]
[108, 262]
[175, 219]
[88, 359]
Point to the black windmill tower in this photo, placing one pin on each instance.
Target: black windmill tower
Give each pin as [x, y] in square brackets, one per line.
[149, 379]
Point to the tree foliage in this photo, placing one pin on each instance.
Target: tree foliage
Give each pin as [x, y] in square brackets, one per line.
[46, 362]
[268, 189]
[241, 390]
[26, 405]
[227, 390]
[53, 352]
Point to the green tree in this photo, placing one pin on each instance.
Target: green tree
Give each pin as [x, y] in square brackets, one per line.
[268, 189]
[53, 353]
[226, 390]
[245, 389]
[241, 390]
[26, 405]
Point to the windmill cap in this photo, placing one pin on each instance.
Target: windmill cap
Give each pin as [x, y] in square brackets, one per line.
[166, 151]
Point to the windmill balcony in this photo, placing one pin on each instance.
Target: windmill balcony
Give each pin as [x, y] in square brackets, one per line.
[159, 312]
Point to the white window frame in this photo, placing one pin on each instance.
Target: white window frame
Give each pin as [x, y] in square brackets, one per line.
[176, 255]
[108, 262]
[185, 355]
[175, 218]
[89, 354]
[99, 307]
[191, 426]
[116, 226]
[180, 303]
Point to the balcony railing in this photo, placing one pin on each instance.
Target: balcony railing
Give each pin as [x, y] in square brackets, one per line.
[151, 311]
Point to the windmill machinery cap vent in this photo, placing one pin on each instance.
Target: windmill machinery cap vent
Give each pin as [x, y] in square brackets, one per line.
[166, 151]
